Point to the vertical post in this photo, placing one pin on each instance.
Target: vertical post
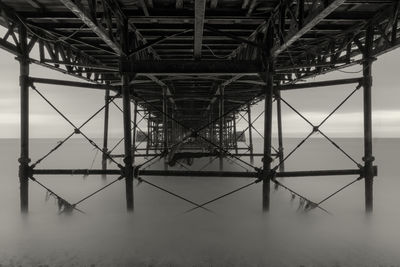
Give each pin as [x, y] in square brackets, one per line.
[211, 126]
[212, 133]
[221, 127]
[105, 135]
[126, 102]
[280, 139]
[165, 124]
[173, 134]
[148, 134]
[250, 133]
[235, 141]
[368, 157]
[268, 63]
[24, 94]
[156, 125]
[165, 120]
[135, 111]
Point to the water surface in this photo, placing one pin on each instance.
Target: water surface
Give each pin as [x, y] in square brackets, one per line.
[238, 234]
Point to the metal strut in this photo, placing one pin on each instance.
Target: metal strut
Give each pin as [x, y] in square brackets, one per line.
[77, 130]
[317, 128]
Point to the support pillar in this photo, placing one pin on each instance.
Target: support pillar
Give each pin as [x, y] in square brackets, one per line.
[165, 125]
[368, 157]
[235, 141]
[212, 132]
[165, 120]
[156, 129]
[280, 139]
[269, 72]
[250, 133]
[135, 111]
[148, 133]
[105, 135]
[221, 127]
[173, 133]
[126, 102]
[24, 134]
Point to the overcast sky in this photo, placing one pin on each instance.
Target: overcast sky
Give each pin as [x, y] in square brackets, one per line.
[78, 104]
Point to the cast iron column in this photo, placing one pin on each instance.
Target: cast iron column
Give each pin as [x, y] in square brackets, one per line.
[368, 157]
[235, 141]
[250, 133]
[148, 134]
[135, 111]
[24, 91]
[105, 135]
[267, 159]
[221, 127]
[280, 139]
[126, 102]
[165, 119]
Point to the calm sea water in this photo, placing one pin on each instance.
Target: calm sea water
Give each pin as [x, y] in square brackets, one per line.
[238, 234]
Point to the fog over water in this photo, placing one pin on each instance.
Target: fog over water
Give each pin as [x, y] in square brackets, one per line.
[238, 234]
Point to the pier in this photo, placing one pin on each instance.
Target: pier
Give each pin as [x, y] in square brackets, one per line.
[192, 69]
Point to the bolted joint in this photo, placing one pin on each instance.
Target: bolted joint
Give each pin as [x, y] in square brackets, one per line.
[136, 170]
[24, 161]
[315, 129]
[124, 65]
[364, 171]
[367, 81]
[24, 172]
[24, 80]
[369, 59]
[23, 59]
[77, 131]
[267, 159]
[271, 175]
[260, 175]
[128, 160]
[368, 159]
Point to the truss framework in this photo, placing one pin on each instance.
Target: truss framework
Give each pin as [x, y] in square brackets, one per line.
[192, 70]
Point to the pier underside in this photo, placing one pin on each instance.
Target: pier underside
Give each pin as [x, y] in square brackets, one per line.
[192, 69]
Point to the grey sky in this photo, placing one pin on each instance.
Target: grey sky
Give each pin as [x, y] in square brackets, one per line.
[80, 103]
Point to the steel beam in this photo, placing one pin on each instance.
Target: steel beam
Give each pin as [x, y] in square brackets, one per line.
[172, 67]
[81, 13]
[72, 84]
[320, 84]
[199, 13]
[227, 174]
[309, 22]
